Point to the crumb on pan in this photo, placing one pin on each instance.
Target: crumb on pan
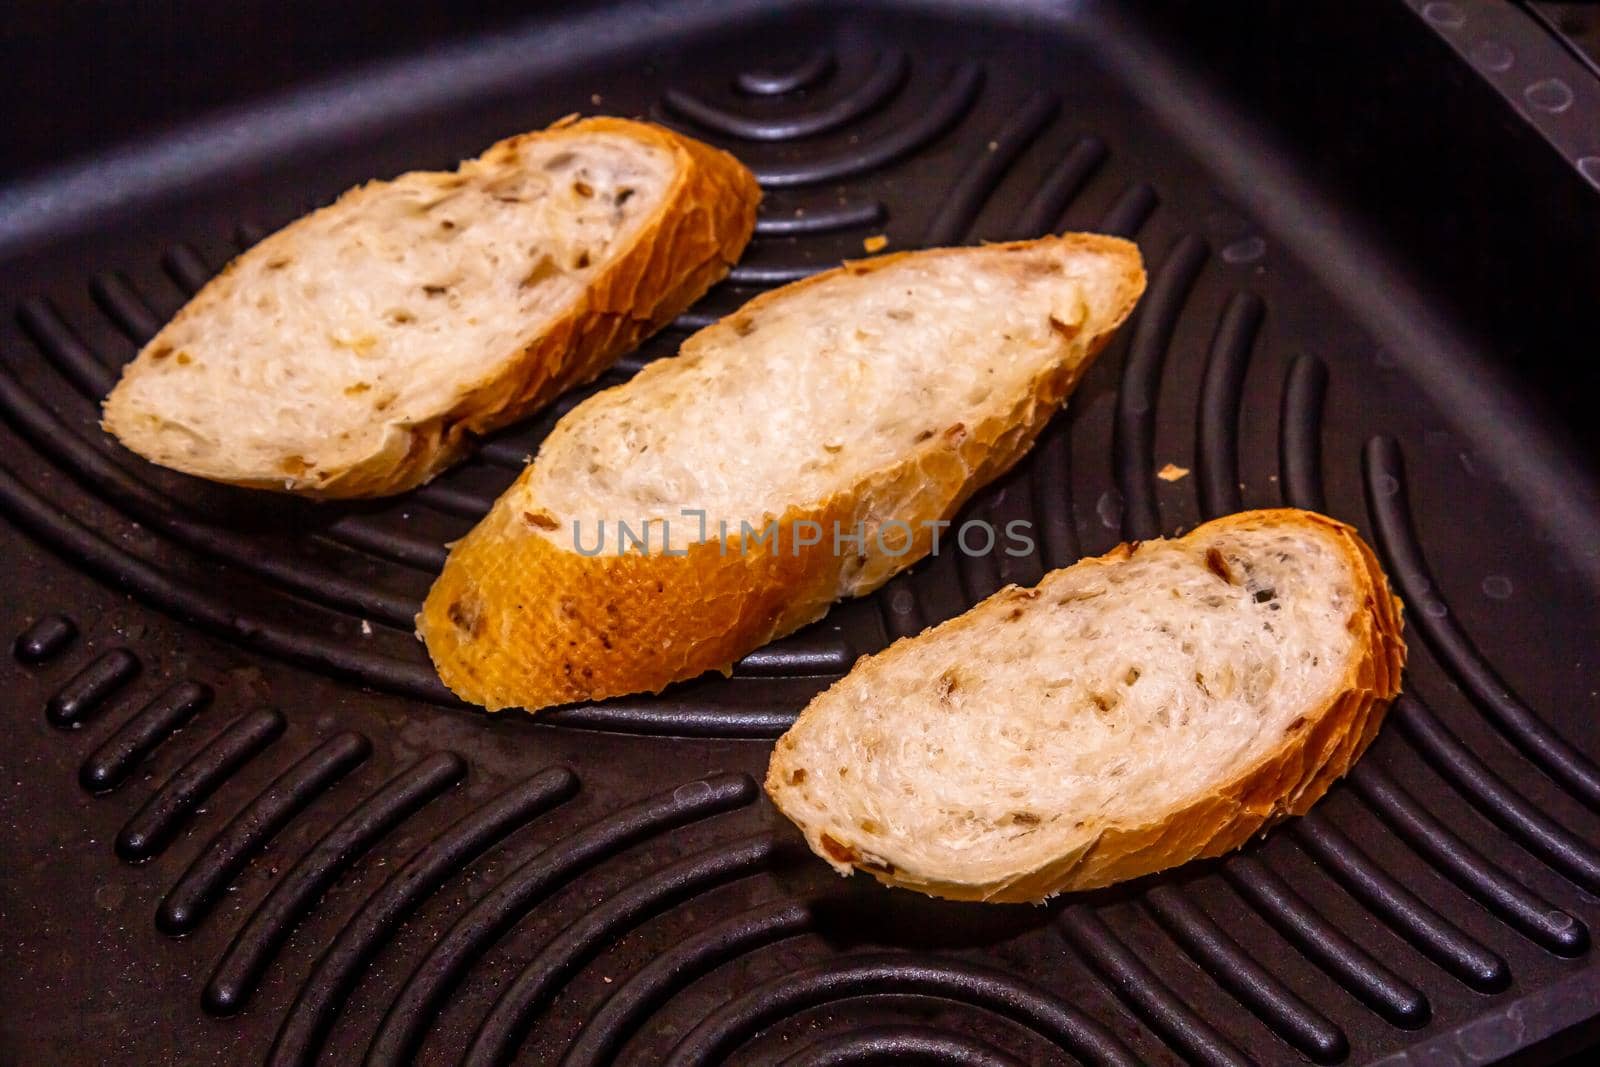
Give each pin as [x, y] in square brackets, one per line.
[1171, 472]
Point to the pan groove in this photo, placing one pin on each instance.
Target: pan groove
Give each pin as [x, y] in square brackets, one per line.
[339, 968]
[1290, 1017]
[88, 690]
[1346, 962]
[297, 892]
[517, 893]
[45, 638]
[1151, 999]
[877, 973]
[1133, 436]
[1221, 391]
[153, 826]
[887, 74]
[497, 1038]
[1388, 502]
[605, 1031]
[188, 902]
[165, 714]
[932, 121]
[1551, 928]
[1430, 933]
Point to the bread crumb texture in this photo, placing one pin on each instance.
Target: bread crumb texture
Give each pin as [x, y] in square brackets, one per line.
[883, 392]
[1131, 712]
[791, 399]
[354, 352]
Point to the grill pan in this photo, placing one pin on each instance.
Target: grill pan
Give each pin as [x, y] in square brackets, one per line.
[245, 823]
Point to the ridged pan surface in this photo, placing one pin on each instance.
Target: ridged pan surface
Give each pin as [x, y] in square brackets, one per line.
[244, 823]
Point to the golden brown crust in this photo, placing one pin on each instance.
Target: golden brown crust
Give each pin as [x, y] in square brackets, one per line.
[547, 626]
[703, 224]
[1286, 782]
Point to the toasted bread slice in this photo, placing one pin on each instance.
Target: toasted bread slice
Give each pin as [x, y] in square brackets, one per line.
[1129, 713]
[877, 397]
[357, 351]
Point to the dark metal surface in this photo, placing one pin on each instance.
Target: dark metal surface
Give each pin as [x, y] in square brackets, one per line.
[323, 856]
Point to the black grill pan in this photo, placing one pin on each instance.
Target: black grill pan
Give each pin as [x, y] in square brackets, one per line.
[244, 823]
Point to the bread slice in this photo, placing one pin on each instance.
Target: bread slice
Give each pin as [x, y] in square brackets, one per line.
[881, 393]
[1129, 713]
[357, 351]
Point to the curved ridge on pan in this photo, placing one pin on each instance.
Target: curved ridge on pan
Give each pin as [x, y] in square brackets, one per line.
[165, 713]
[1300, 433]
[1221, 391]
[770, 710]
[753, 269]
[1389, 505]
[185, 266]
[1286, 1013]
[396, 546]
[123, 570]
[984, 172]
[1042, 213]
[418, 1001]
[93, 468]
[792, 657]
[45, 638]
[1430, 933]
[216, 866]
[887, 74]
[88, 690]
[1131, 210]
[1559, 848]
[43, 325]
[152, 827]
[1324, 944]
[822, 217]
[901, 1044]
[880, 973]
[248, 234]
[116, 296]
[453, 499]
[939, 115]
[337, 971]
[496, 1039]
[768, 274]
[607, 1028]
[1535, 918]
[297, 892]
[803, 74]
[1133, 434]
[1151, 999]
[407, 677]
[1287, 911]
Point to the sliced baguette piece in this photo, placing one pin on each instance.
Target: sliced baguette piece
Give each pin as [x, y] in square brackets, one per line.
[358, 351]
[1129, 713]
[886, 390]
